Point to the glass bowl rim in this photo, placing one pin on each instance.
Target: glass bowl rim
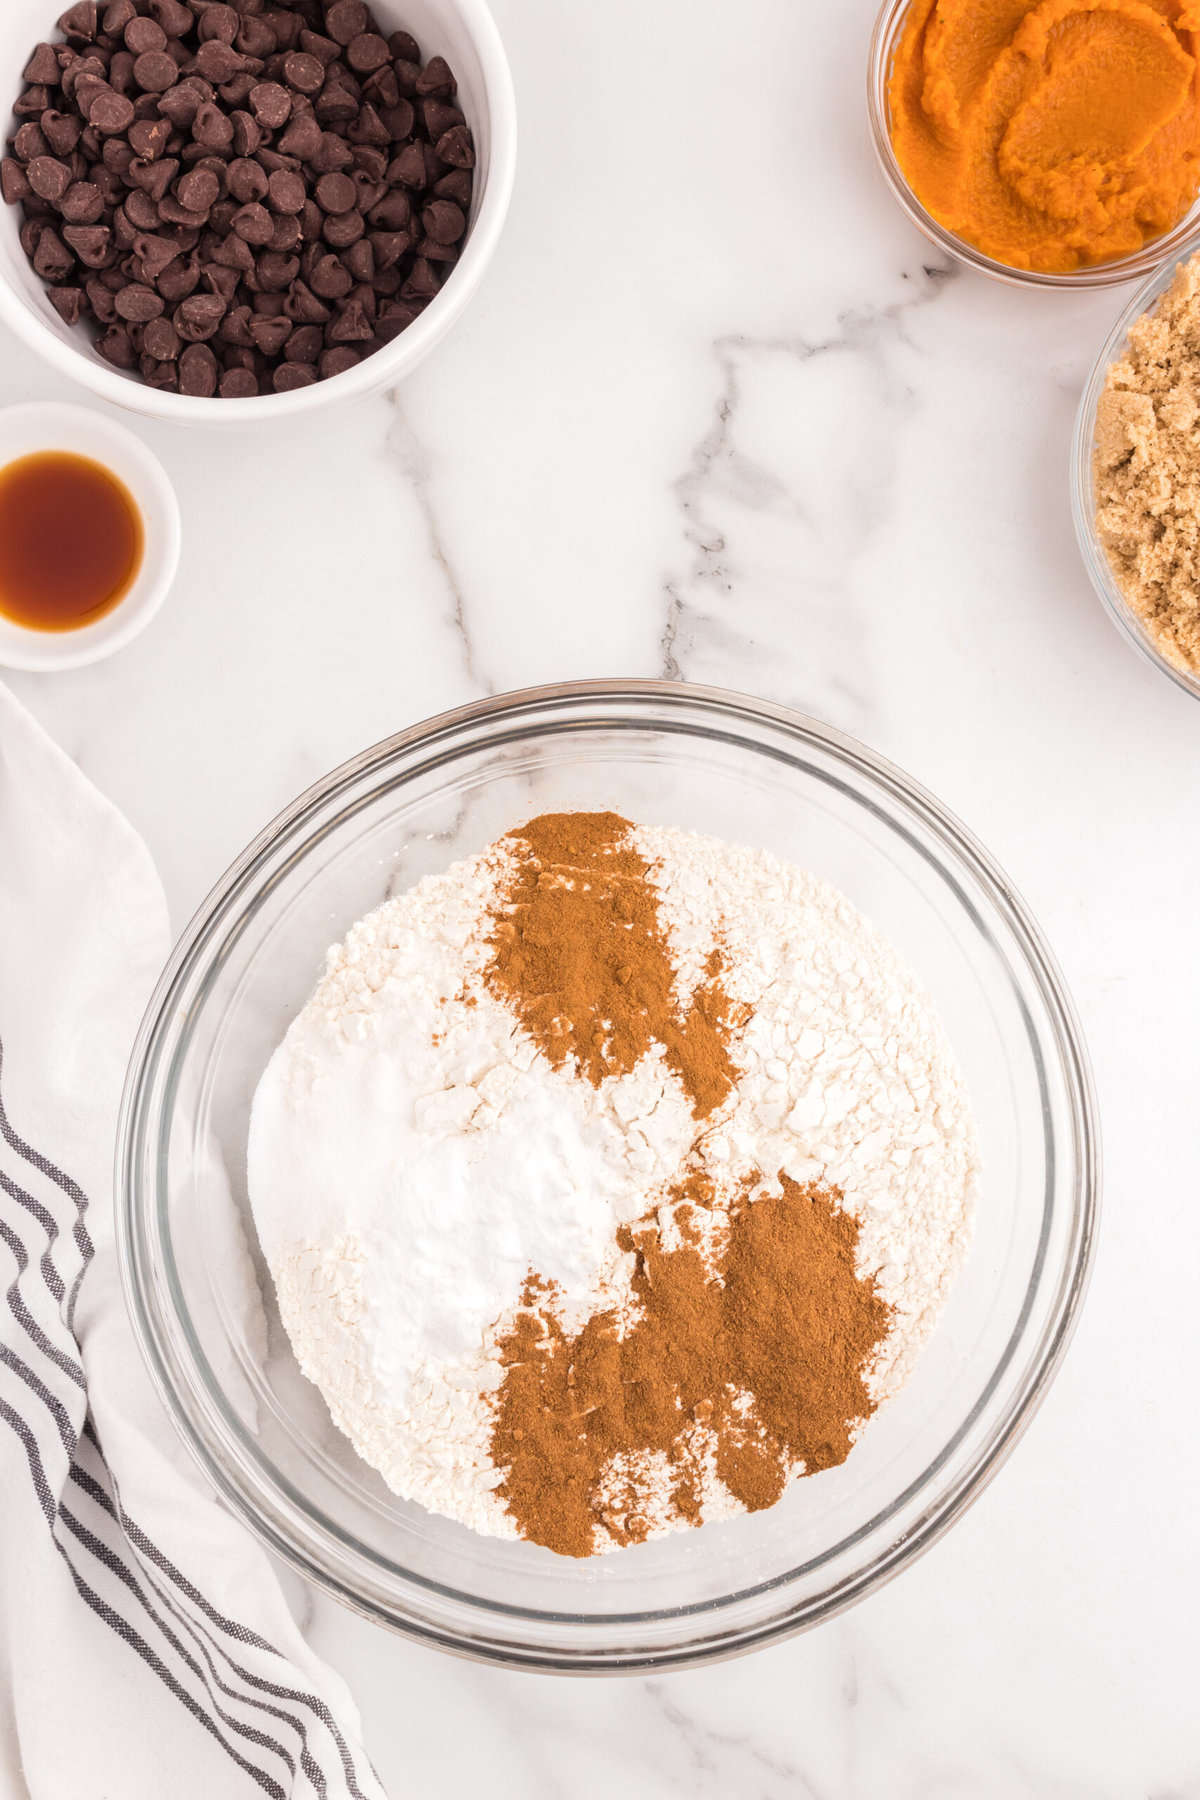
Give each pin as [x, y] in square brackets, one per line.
[1083, 437]
[272, 1516]
[1138, 263]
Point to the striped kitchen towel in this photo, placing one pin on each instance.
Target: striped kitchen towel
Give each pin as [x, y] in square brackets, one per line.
[145, 1646]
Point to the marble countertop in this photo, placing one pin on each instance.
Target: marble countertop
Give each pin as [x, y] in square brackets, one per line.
[719, 413]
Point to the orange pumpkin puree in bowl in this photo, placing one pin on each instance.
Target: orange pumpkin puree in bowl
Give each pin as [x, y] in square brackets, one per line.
[1049, 136]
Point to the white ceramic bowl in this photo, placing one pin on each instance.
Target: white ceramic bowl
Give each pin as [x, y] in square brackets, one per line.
[460, 30]
[25, 430]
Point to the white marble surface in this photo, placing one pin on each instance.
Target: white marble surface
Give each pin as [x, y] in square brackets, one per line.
[720, 413]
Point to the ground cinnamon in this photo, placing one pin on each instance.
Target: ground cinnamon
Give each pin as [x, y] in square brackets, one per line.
[754, 1356]
[578, 951]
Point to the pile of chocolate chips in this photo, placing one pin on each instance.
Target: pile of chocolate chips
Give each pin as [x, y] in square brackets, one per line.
[244, 198]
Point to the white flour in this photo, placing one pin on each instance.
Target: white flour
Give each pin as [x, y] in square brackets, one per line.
[413, 1155]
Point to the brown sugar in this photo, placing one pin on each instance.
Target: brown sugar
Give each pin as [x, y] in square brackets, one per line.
[1146, 470]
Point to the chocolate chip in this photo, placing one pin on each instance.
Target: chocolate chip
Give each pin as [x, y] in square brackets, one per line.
[303, 72]
[270, 335]
[153, 178]
[302, 138]
[271, 104]
[143, 37]
[197, 317]
[331, 279]
[444, 222]
[42, 68]
[393, 212]
[336, 105]
[67, 303]
[456, 148]
[161, 340]
[253, 224]
[347, 19]
[172, 15]
[14, 183]
[49, 178]
[198, 190]
[198, 369]
[350, 324]
[32, 103]
[83, 203]
[336, 193]
[90, 243]
[337, 361]
[276, 271]
[137, 303]
[116, 347]
[340, 230]
[247, 180]
[154, 254]
[212, 128]
[255, 38]
[389, 247]
[304, 306]
[367, 52]
[407, 72]
[291, 375]
[238, 384]
[286, 192]
[305, 344]
[218, 62]
[222, 280]
[422, 283]
[439, 118]
[149, 137]
[333, 154]
[79, 23]
[455, 186]
[61, 132]
[179, 279]
[436, 78]
[110, 112]
[220, 23]
[323, 48]
[174, 212]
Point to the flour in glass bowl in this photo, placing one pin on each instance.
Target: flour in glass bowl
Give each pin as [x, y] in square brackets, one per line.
[417, 1154]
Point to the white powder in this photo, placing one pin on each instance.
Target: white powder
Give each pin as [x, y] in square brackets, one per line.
[413, 1155]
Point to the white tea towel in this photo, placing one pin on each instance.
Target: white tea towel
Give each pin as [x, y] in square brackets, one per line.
[145, 1647]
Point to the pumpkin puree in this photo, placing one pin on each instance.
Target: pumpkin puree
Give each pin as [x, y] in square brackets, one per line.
[1054, 135]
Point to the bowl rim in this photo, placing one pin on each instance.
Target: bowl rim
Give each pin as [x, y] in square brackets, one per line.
[1082, 474]
[391, 363]
[887, 27]
[273, 1517]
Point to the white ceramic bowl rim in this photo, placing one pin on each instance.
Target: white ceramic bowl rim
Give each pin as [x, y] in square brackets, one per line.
[390, 363]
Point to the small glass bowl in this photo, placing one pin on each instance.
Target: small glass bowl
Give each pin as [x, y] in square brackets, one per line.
[1083, 496]
[203, 1304]
[884, 39]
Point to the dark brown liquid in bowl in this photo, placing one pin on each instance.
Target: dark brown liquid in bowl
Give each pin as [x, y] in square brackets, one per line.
[71, 540]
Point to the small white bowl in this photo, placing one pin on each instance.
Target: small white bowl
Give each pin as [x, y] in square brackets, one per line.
[462, 31]
[26, 430]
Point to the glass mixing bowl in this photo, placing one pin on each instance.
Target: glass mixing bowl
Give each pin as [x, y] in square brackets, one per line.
[203, 1305]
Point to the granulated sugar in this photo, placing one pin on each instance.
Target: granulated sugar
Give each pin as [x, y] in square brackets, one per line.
[415, 1157]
